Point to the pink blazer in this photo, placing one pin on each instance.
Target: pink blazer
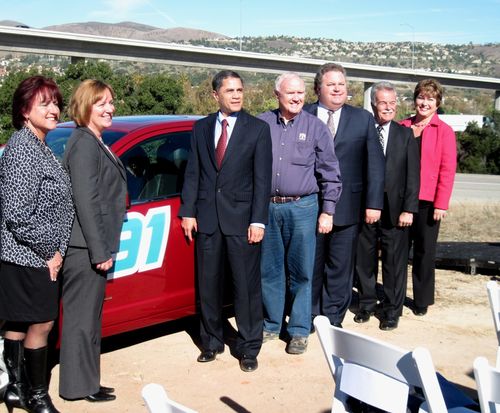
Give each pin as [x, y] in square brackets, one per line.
[438, 161]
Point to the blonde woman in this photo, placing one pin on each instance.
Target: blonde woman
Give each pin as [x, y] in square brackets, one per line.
[99, 182]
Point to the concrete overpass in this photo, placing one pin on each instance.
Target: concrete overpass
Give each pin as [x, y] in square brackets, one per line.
[80, 46]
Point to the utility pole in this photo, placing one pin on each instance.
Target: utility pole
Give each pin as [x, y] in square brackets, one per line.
[412, 44]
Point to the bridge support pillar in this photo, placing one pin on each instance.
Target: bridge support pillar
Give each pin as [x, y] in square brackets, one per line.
[367, 100]
[497, 100]
[76, 59]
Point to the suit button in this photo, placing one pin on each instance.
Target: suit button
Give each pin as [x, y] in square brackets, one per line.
[218, 190]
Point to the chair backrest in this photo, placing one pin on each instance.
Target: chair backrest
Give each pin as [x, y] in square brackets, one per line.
[369, 369]
[4, 380]
[157, 401]
[494, 298]
[488, 385]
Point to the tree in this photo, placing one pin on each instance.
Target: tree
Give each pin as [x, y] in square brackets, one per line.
[9, 85]
[479, 148]
[159, 94]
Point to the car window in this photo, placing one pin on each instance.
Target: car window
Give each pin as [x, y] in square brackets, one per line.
[56, 139]
[155, 167]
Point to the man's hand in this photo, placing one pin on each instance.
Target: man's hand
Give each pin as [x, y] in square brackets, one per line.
[439, 214]
[405, 219]
[255, 234]
[325, 223]
[372, 215]
[189, 226]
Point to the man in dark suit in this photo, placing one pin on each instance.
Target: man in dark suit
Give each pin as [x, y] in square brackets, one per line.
[402, 182]
[225, 199]
[361, 163]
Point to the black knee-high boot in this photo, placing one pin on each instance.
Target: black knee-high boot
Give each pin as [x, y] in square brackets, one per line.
[36, 368]
[16, 394]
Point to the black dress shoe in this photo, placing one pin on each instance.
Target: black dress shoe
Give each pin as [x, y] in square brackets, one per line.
[362, 316]
[420, 311]
[248, 363]
[108, 390]
[387, 324]
[208, 355]
[313, 329]
[100, 397]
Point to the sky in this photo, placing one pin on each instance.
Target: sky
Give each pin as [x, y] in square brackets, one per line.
[444, 21]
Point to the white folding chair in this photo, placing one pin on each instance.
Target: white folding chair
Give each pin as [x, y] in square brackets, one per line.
[157, 401]
[4, 380]
[494, 298]
[377, 373]
[488, 385]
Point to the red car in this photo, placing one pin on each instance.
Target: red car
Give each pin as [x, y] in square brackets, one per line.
[152, 280]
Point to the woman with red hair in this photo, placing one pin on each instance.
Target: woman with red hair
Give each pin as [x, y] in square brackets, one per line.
[37, 214]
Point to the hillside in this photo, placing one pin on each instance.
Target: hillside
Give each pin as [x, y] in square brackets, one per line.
[137, 31]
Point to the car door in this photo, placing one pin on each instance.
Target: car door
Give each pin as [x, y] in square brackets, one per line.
[152, 279]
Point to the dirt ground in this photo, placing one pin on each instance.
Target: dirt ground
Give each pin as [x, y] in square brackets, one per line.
[456, 330]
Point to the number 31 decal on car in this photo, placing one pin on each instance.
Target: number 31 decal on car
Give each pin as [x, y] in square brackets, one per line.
[143, 242]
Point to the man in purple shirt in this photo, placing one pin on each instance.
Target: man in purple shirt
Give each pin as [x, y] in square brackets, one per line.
[304, 166]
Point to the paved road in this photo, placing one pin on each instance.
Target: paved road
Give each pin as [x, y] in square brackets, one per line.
[480, 188]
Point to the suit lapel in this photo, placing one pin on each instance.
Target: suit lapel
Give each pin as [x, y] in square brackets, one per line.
[345, 115]
[208, 132]
[113, 158]
[392, 143]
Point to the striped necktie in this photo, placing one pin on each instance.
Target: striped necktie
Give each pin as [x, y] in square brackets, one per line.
[330, 123]
[221, 144]
[380, 128]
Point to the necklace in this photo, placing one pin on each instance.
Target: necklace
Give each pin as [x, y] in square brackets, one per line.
[422, 124]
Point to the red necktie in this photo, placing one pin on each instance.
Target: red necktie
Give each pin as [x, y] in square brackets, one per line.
[221, 145]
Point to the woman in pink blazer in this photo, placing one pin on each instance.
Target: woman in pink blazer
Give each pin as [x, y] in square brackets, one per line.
[438, 162]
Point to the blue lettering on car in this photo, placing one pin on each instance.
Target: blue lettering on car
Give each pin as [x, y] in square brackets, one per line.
[143, 242]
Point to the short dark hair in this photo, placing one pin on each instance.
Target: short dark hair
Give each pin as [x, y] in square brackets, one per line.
[327, 67]
[429, 87]
[25, 95]
[223, 74]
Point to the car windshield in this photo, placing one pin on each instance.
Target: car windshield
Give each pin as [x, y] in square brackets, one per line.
[57, 138]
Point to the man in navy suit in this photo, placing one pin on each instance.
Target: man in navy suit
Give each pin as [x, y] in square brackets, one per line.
[361, 163]
[225, 200]
[402, 183]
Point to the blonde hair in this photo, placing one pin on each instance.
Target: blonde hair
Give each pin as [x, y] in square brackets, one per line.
[84, 96]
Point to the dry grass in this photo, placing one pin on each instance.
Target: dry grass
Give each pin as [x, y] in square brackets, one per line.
[469, 221]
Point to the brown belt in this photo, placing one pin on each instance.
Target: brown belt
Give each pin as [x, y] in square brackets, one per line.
[284, 199]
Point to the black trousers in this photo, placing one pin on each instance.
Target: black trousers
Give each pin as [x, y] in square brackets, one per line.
[424, 234]
[394, 245]
[334, 272]
[214, 252]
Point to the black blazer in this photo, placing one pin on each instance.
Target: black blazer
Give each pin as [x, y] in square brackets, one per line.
[361, 162]
[99, 192]
[402, 172]
[238, 194]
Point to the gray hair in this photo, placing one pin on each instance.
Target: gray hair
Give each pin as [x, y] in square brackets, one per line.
[384, 85]
[284, 76]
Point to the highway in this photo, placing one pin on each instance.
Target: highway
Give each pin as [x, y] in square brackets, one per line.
[476, 187]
